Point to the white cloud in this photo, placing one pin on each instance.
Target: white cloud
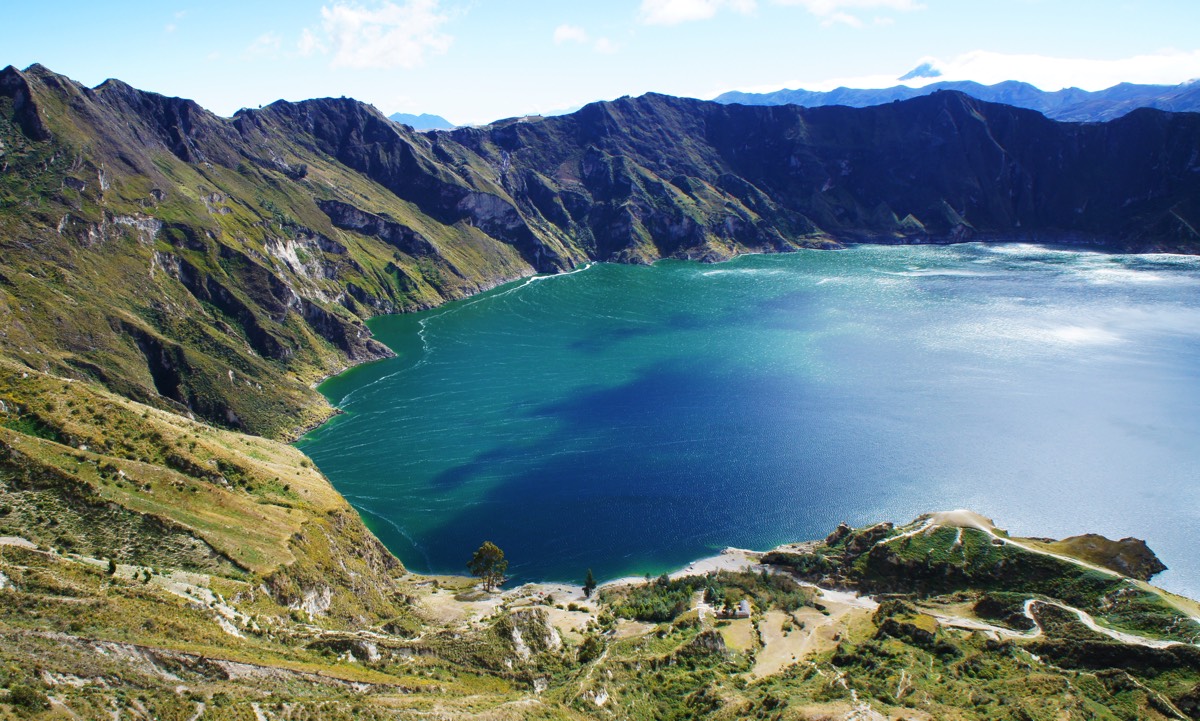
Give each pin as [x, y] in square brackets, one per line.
[826, 8]
[673, 12]
[309, 43]
[387, 35]
[604, 46]
[569, 34]
[833, 12]
[843, 19]
[575, 34]
[266, 45]
[172, 27]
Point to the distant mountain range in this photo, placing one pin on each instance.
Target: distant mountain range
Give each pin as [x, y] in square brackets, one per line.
[1070, 104]
[424, 121]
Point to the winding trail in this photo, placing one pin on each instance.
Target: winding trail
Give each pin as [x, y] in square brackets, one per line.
[1084, 617]
[963, 518]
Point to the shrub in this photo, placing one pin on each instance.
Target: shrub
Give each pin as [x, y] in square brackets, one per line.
[28, 698]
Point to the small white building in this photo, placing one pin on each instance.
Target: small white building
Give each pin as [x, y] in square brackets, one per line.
[743, 609]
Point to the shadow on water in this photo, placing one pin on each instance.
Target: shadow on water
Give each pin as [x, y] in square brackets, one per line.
[637, 476]
[599, 341]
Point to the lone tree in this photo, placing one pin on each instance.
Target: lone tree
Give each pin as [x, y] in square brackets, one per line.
[488, 563]
[589, 584]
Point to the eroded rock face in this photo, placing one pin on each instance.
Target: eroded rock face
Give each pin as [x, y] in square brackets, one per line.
[402, 237]
[1128, 556]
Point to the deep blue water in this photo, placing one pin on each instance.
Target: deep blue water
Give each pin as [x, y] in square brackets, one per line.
[631, 419]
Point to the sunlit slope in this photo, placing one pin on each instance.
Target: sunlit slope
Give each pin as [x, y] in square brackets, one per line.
[85, 471]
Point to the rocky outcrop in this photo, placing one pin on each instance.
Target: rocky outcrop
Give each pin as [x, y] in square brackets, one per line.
[402, 237]
[1128, 556]
[14, 85]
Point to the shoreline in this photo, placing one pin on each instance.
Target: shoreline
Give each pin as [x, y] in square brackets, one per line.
[1067, 243]
[729, 559]
[508, 286]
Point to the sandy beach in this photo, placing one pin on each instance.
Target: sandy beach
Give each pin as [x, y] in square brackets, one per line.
[730, 559]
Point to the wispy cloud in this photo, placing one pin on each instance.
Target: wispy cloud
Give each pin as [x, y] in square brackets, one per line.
[385, 35]
[830, 12]
[840, 12]
[266, 45]
[310, 43]
[173, 26]
[576, 35]
[842, 19]
[569, 34]
[674, 12]
[605, 46]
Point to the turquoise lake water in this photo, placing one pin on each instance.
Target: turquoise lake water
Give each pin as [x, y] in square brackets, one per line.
[631, 419]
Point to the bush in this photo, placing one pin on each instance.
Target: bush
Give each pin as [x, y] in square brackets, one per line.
[591, 649]
[656, 602]
[28, 698]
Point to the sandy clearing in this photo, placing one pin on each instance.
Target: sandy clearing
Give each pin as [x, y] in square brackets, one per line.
[739, 635]
[780, 649]
[833, 597]
[18, 542]
[631, 629]
[570, 624]
[813, 630]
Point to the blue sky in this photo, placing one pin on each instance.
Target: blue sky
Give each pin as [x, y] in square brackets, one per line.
[479, 60]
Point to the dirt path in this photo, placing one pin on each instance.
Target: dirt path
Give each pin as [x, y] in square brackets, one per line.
[1084, 617]
[812, 632]
[969, 519]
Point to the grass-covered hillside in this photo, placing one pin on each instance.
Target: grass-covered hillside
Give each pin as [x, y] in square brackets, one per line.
[208, 624]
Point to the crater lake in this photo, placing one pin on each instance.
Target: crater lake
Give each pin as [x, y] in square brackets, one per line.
[630, 419]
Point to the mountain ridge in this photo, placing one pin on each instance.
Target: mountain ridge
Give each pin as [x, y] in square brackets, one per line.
[282, 228]
[424, 121]
[1067, 104]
